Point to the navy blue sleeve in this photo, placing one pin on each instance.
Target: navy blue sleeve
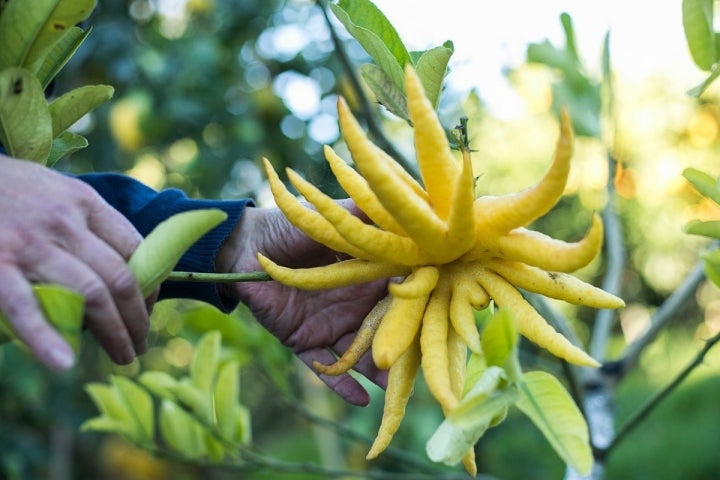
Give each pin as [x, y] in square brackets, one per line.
[145, 208]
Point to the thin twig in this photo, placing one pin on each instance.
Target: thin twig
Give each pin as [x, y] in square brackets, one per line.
[659, 320]
[612, 279]
[366, 109]
[218, 277]
[653, 402]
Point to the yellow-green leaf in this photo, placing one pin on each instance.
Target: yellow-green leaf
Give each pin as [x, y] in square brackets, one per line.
[71, 106]
[226, 397]
[181, 431]
[553, 411]
[139, 403]
[203, 368]
[158, 253]
[25, 122]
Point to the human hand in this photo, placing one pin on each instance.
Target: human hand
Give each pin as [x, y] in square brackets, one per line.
[56, 229]
[313, 324]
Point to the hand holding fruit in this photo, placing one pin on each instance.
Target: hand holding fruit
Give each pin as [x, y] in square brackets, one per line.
[314, 324]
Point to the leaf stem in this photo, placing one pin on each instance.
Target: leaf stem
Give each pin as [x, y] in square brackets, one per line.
[218, 277]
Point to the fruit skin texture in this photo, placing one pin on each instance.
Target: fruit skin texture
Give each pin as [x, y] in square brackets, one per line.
[455, 253]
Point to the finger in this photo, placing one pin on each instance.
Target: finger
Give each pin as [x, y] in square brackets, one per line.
[121, 285]
[113, 228]
[101, 315]
[344, 385]
[22, 310]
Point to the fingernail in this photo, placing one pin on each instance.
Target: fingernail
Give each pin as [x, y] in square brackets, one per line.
[61, 357]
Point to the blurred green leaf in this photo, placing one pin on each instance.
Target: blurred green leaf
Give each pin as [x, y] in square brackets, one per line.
[576, 91]
[25, 122]
[698, 90]
[181, 431]
[703, 183]
[112, 406]
[197, 400]
[553, 411]
[369, 26]
[139, 403]
[697, 18]
[203, 368]
[707, 229]
[62, 307]
[226, 397]
[712, 265]
[160, 384]
[73, 105]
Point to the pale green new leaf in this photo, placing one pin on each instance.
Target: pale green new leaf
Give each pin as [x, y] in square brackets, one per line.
[203, 368]
[243, 425]
[431, 67]
[160, 251]
[553, 411]
[160, 384]
[71, 106]
[225, 398]
[103, 424]
[25, 122]
[65, 144]
[477, 411]
[386, 92]
[712, 266]
[698, 90]
[369, 26]
[697, 18]
[703, 183]
[60, 54]
[181, 431]
[499, 343]
[111, 405]
[197, 400]
[139, 403]
[710, 228]
[62, 307]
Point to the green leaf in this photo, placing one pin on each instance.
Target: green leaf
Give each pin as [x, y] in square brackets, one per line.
[698, 90]
[431, 67]
[158, 253]
[386, 92]
[64, 310]
[103, 424]
[60, 54]
[25, 122]
[71, 106]
[369, 26]
[203, 368]
[28, 34]
[160, 384]
[712, 266]
[140, 405]
[181, 431]
[111, 405]
[706, 229]
[226, 397]
[500, 341]
[62, 307]
[476, 366]
[467, 423]
[703, 183]
[553, 411]
[197, 400]
[697, 18]
[65, 144]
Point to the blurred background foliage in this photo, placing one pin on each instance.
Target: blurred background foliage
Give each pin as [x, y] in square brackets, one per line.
[206, 88]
